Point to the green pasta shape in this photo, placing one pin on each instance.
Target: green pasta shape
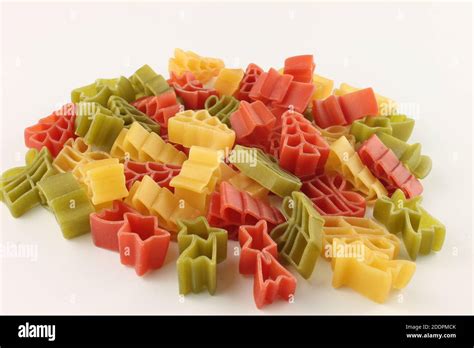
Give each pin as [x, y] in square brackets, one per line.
[264, 169]
[69, 203]
[299, 239]
[121, 87]
[201, 248]
[402, 126]
[421, 232]
[222, 108]
[91, 94]
[102, 89]
[399, 126]
[308, 113]
[18, 186]
[199, 228]
[410, 155]
[97, 125]
[146, 82]
[129, 114]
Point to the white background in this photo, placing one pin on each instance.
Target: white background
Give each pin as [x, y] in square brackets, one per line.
[417, 54]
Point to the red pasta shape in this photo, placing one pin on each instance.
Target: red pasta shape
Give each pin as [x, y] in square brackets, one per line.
[52, 131]
[160, 108]
[106, 224]
[230, 208]
[270, 87]
[297, 97]
[253, 240]
[271, 280]
[274, 142]
[252, 123]
[252, 73]
[281, 91]
[300, 67]
[303, 151]
[331, 196]
[190, 90]
[142, 244]
[160, 173]
[345, 109]
[385, 165]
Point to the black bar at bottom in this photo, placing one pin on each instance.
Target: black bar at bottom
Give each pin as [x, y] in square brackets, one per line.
[135, 330]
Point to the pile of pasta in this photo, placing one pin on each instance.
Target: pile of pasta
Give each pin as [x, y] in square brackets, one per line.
[277, 160]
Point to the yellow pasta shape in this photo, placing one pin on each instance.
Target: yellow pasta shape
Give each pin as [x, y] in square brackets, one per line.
[386, 105]
[138, 144]
[149, 198]
[332, 133]
[117, 149]
[243, 182]
[83, 168]
[75, 153]
[368, 272]
[105, 180]
[374, 236]
[203, 68]
[198, 176]
[228, 81]
[190, 128]
[323, 86]
[344, 160]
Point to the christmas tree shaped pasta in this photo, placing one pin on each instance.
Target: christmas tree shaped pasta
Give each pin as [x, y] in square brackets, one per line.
[69, 203]
[18, 186]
